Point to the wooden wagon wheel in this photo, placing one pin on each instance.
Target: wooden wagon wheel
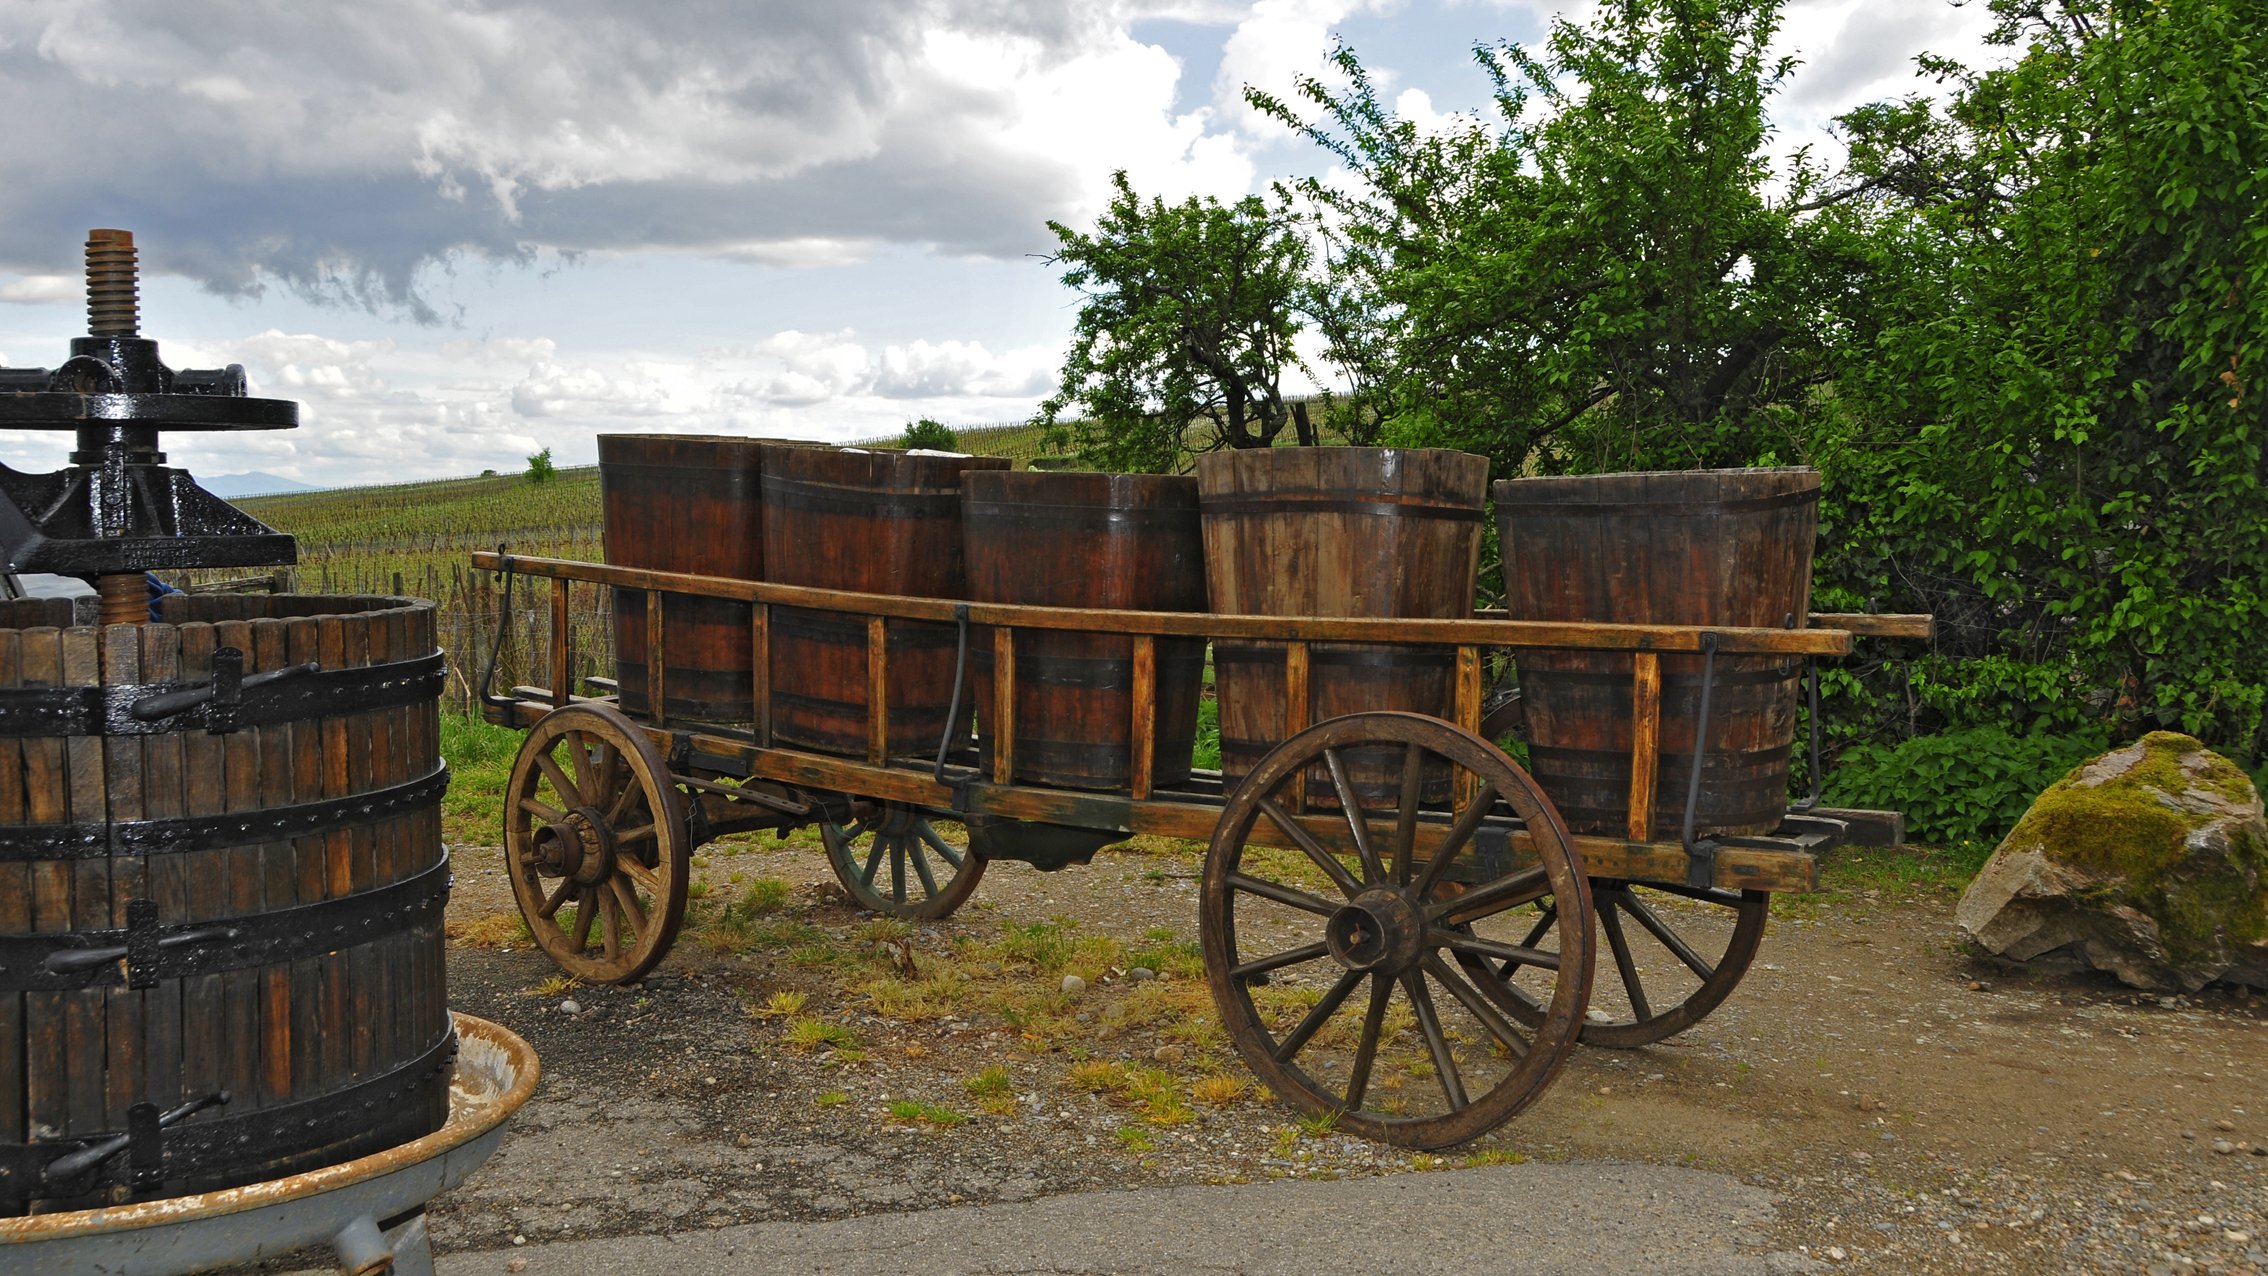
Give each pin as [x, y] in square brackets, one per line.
[1676, 951]
[1386, 899]
[596, 838]
[893, 859]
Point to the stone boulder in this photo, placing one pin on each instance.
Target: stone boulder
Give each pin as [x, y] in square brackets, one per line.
[2150, 862]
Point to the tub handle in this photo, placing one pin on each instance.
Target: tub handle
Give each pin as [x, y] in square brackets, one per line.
[144, 1124]
[223, 696]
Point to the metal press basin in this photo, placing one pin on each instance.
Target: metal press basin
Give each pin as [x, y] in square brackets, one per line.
[339, 1205]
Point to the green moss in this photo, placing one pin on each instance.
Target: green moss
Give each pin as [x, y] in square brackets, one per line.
[2129, 832]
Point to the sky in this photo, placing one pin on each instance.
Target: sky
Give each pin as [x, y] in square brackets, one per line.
[457, 232]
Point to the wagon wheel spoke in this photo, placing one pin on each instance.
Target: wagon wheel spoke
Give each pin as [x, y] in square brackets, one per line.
[630, 911]
[1504, 893]
[1277, 961]
[1510, 954]
[1436, 1043]
[559, 782]
[542, 811]
[643, 876]
[1358, 824]
[1544, 923]
[642, 833]
[1405, 825]
[1610, 922]
[1283, 894]
[873, 861]
[1478, 1004]
[1317, 1016]
[610, 927]
[1460, 834]
[1366, 1050]
[921, 869]
[898, 869]
[552, 902]
[1306, 842]
[1498, 987]
[937, 844]
[586, 916]
[631, 793]
[1668, 938]
[579, 750]
[1712, 944]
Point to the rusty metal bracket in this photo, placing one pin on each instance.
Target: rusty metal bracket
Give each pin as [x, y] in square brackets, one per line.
[960, 675]
[1700, 856]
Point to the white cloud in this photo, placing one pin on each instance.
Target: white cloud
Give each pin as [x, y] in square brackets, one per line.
[587, 393]
[42, 290]
[1278, 41]
[340, 149]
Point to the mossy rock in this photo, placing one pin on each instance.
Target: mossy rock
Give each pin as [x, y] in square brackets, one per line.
[2150, 862]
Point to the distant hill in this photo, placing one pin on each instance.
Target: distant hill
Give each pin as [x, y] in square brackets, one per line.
[251, 483]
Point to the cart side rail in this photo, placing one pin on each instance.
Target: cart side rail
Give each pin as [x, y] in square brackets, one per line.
[1469, 637]
[1482, 631]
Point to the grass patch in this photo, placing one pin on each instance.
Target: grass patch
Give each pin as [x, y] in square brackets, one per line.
[733, 926]
[809, 1032]
[920, 1001]
[1218, 1090]
[491, 930]
[994, 1091]
[480, 769]
[1495, 1156]
[1904, 872]
[1135, 1139]
[556, 985]
[918, 1112]
[992, 1081]
[1184, 958]
[1045, 946]
[784, 1004]
[832, 1099]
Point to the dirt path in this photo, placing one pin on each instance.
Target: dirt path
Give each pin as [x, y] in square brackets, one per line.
[1909, 1108]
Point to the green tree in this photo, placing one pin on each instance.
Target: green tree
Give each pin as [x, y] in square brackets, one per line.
[540, 468]
[1187, 321]
[935, 436]
[2055, 435]
[1595, 279]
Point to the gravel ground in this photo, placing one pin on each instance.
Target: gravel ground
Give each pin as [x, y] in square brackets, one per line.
[1906, 1107]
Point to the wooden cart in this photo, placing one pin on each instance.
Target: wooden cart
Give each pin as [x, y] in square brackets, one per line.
[1360, 963]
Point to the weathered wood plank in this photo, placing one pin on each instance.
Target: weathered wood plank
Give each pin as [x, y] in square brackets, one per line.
[1001, 733]
[877, 690]
[1887, 625]
[1478, 632]
[562, 644]
[760, 645]
[1142, 730]
[1645, 740]
[85, 1020]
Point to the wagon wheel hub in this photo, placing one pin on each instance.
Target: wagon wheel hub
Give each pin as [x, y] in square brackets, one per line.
[578, 845]
[1380, 930]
